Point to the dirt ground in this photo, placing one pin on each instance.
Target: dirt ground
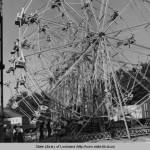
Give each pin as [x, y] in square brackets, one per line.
[135, 139]
[67, 139]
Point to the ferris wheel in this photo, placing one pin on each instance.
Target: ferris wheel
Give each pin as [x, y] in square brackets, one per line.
[69, 50]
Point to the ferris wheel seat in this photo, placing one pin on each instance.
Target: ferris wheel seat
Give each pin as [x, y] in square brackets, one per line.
[129, 41]
[54, 6]
[16, 48]
[13, 52]
[33, 19]
[26, 44]
[7, 83]
[86, 5]
[14, 105]
[48, 39]
[114, 15]
[126, 43]
[132, 41]
[20, 64]
[17, 21]
[119, 43]
[22, 82]
[20, 22]
[15, 88]
[25, 47]
[43, 107]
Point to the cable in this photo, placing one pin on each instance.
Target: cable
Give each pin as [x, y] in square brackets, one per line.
[129, 28]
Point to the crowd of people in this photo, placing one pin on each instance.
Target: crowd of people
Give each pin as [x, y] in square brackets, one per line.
[51, 129]
[40, 132]
[14, 134]
[17, 134]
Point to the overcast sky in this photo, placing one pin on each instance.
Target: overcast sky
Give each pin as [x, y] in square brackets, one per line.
[10, 31]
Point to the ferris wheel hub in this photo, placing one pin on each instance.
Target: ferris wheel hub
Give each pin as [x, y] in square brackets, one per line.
[101, 34]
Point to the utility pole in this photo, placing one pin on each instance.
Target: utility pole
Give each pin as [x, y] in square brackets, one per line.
[1, 72]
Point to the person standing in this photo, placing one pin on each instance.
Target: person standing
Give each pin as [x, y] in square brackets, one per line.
[20, 134]
[41, 131]
[8, 137]
[15, 134]
[38, 135]
[49, 128]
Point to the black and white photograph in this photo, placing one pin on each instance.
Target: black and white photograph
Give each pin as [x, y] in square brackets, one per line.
[75, 71]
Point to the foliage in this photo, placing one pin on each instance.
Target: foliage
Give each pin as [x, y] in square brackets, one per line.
[135, 81]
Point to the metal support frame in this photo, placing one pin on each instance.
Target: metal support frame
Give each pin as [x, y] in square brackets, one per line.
[119, 97]
[1, 70]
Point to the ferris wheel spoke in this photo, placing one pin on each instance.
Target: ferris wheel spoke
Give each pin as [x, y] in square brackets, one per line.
[104, 15]
[143, 75]
[129, 28]
[138, 45]
[43, 85]
[72, 9]
[46, 8]
[123, 62]
[69, 18]
[84, 125]
[24, 32]
[30, 77]
[50, 73]
[143, 100]
[42, 80]
[46, 56]
[118, 95]
[136, 52]
[146, 7]
[26, 8]
[55, 35]
[102, 3]
[92, 10]
[55, 48]
[138, 8]
[101, 16]
[123, 9]
[53, 22]
[67, 6]
[31, 35]
[126, 91]
[39, 72]
[71, 67]
[142, 46]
